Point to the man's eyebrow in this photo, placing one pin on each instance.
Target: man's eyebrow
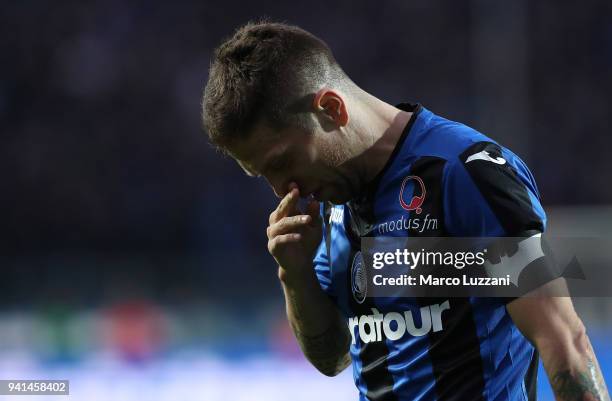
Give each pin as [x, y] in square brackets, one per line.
[278, 158]
[268, 164]
[271, 161]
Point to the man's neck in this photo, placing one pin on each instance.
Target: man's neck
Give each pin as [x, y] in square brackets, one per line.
[384, 125]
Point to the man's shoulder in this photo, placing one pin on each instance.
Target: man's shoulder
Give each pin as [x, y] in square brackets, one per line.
[447, 139]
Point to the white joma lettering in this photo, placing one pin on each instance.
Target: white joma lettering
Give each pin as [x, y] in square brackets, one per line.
[336, 216]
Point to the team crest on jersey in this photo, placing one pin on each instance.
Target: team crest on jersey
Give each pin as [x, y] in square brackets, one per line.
[418, 193]
[359, 280]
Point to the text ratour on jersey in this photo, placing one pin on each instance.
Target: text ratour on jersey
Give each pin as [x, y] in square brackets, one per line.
[442, 179]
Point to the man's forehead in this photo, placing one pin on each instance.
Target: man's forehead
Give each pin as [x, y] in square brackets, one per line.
[256, 149]
[245, 162]
[250, 170]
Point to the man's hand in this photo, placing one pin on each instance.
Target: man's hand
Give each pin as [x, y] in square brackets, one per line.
[293, 237]
[554, 328]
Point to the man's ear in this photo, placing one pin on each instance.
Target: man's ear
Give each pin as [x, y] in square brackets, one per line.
[332, 105]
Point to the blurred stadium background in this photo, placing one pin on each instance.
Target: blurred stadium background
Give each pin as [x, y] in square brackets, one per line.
[133, 257]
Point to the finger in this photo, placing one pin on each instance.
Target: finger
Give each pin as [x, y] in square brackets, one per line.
[281, 240]
[276, 215]
[272, 219]
[288, 225]
[288, 205]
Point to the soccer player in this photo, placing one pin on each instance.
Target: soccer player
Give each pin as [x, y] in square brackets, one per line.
[279, 104]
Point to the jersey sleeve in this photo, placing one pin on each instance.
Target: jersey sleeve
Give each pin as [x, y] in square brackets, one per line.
[321, 260]
[489, 192]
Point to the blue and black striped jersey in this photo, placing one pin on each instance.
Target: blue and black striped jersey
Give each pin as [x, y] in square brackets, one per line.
[442, 179]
